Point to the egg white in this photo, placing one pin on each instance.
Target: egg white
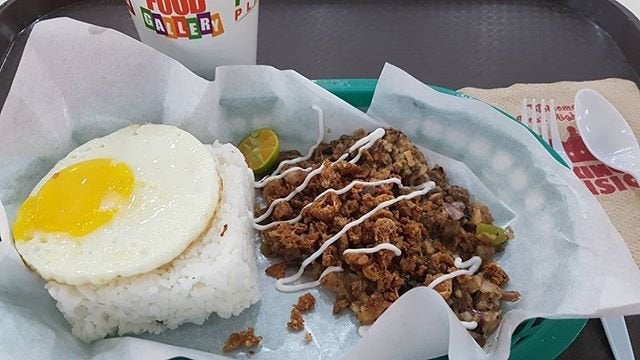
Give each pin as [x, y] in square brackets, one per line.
[175, 197]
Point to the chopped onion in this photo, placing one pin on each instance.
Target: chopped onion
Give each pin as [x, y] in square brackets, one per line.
[454, 212]
[459, 205]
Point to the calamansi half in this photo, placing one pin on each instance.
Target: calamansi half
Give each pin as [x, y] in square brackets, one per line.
[261, 149]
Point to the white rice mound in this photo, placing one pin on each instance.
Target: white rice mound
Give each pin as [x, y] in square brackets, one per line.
[215, 274]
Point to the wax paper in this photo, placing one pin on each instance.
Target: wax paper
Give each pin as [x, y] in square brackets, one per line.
[567, 259]
[77, 81]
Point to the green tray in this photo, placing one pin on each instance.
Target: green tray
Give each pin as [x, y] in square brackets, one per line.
[534, 338]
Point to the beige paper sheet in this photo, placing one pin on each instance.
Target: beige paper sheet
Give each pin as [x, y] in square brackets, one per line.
[618, 193]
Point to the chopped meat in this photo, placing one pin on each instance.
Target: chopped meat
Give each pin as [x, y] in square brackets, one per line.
[510, 296]
[445, 289]
[495, 274]
[421, 227]
[356, 259]
[457, 194]
[277, 271]
[296, 321]
[295, 178]
[469, 284]
[305, 303]
[369, 308]
[437, 175]
[340, 305]
[485, 252]
[282, 210]
[326, 208]
[441, 261]
[480, 214]
[244, 338]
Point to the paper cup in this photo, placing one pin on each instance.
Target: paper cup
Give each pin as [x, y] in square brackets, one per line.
[201, 34]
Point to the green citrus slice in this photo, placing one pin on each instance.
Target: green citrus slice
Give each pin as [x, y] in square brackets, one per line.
[261, 149]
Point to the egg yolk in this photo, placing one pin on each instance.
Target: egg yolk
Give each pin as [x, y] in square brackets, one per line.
[77, 200]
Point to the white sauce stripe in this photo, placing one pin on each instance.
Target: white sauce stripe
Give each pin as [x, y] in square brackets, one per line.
[265, 181]
[309, 285]
[426, 187]
[385, 246]
[339, 192]
[318, 109]
[365, 141]
[440, 279]
[472, 264]
[295, 192]
[469, 325]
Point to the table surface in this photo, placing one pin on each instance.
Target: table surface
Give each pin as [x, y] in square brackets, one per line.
[633, 5]
[367, 44]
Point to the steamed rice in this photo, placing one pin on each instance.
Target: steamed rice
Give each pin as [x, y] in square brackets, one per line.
[216, 274]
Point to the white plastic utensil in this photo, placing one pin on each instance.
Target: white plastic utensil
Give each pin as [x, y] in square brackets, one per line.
[548, 129]
[532, 114]
[606, 133]
[610, 139]
[618, 336]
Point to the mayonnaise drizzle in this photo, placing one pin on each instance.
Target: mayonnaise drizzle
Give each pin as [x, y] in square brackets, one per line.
[472, 264]
[318, 109]
[366, 142]
[469, 325]
[295, 192]
[266, 180]
[282, 284]
[468, 267]
[308, 285]
[384, 246]
[339, 192]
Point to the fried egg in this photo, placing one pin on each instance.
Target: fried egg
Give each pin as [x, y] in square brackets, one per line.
[118, 206]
